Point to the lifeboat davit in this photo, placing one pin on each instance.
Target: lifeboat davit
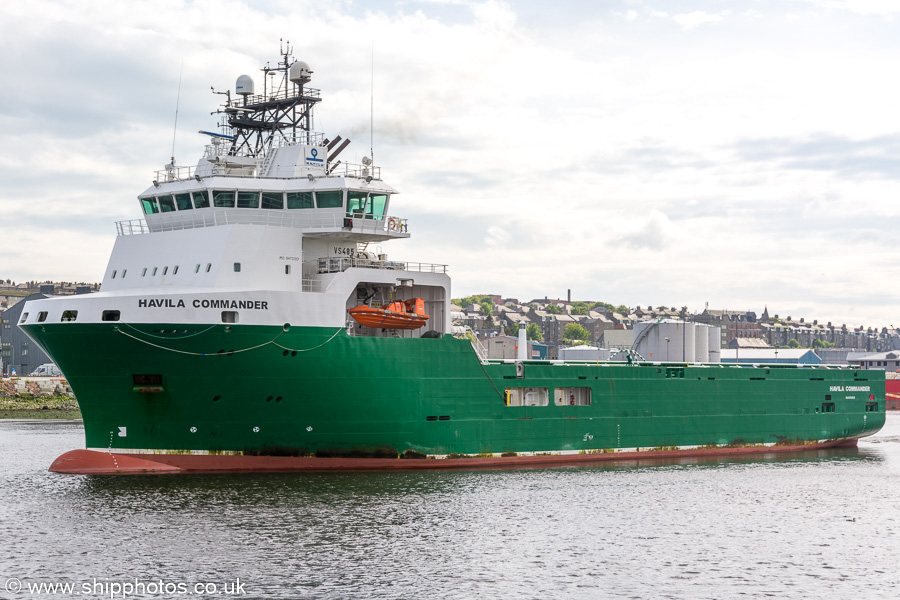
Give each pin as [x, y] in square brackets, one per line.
[409, 314]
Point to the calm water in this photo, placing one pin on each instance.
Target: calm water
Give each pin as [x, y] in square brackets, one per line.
[824, 525]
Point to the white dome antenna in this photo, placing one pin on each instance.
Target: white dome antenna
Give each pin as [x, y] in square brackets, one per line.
[244, 86]
[300, 73]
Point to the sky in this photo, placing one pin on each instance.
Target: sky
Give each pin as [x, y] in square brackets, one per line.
[735, 155]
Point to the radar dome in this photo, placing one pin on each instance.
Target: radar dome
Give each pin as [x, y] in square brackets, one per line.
[244, 85]
[300, 72]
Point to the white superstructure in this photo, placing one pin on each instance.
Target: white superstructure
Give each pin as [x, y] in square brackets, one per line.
[269, 228]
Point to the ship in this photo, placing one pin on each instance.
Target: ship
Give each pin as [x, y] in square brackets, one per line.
[224, 338]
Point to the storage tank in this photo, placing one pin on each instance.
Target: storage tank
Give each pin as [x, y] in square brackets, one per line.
[701, 349]
[715, 344]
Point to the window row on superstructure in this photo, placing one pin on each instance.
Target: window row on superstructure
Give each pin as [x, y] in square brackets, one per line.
[360, 204]
[153, 271]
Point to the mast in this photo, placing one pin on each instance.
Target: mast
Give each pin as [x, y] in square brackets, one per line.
[282, 114]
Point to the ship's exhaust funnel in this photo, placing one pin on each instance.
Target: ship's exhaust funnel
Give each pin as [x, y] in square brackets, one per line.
[522, 351]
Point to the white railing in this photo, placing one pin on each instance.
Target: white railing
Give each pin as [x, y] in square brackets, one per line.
[339, 264]
[194, 219]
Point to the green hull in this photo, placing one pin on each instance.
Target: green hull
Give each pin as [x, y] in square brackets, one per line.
[316, 391]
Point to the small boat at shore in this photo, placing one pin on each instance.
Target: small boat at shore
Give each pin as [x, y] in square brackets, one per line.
[408, 314]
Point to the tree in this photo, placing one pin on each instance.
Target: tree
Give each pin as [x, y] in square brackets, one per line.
[487, 307]
[511, 330]
[553, 309]
[533, 333]
[792, 343]
[580, 308]
[575, 332]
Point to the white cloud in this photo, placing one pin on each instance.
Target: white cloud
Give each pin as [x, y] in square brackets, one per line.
[695, 19]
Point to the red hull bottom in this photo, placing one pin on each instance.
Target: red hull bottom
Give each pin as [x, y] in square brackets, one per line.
[93, 462]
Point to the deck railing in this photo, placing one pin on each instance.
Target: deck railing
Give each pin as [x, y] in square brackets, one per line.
[195, 219]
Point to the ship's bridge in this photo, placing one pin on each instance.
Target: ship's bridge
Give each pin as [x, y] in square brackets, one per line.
[342, 206]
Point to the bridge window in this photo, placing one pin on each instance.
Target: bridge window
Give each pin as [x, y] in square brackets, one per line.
[377, 203]
[150, 206]
[273, 200]
[330, 199]
[248, 200]
[871, 407]
[300, 200]
[356, 204]
[69, 315]
[223, 199]
[828, 407]
[201, 200]
[183, 201]
[166, 204]
[110, 315]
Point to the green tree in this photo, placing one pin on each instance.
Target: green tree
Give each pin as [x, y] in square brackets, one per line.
[817, 343]
[511, 330]
[487, 307]
[580, 308]
[792, 343]
[553, 309]
[533, 333]
[575, 332]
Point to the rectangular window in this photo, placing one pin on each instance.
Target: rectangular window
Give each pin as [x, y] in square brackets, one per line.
[114, 274]
[574, 396]
[273, 200]
[356, 204]
[42, 316]
[110, 315]
[174, 271]
[201, 199]
[165, 270]
[197, 268]
[287, 271]
[150, 206]
[871, 407]
[248, 200]
[154, 271]
[531, 396]
[237, 267]
[208, 267]
[223, 199]
[330, 199]
[144, 272]
[183, 201]
[24, 318]
[300, 200]
[377, 204]
[828, 407]
[166, 203]
[69, 315]
[229, 316]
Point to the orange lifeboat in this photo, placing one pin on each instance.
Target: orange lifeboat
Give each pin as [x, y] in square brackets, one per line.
[409, 314]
